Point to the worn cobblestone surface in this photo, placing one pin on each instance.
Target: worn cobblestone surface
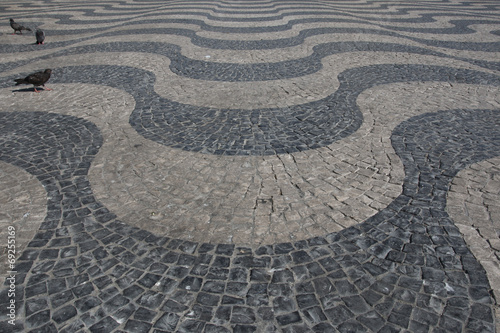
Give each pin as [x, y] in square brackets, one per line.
[270, 166]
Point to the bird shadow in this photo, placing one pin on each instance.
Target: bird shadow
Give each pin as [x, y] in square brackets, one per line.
[28, 90]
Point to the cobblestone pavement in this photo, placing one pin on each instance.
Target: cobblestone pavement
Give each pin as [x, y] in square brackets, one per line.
[251, 166]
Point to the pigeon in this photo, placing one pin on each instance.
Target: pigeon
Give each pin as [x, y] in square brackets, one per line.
[36, 79]
[40, 36]
[18, 27]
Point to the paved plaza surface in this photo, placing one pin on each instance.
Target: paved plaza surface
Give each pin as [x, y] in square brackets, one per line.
[251, 166]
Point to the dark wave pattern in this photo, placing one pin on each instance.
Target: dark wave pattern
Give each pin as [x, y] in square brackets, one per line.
[259, 131]
[407, 268]
[395, 16]
[460, 27]
[232, 72]
[283, 130]
[213, 71]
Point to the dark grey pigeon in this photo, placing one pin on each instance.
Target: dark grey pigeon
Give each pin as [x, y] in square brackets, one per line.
[36, 79]
[40, 36]
[18, 27]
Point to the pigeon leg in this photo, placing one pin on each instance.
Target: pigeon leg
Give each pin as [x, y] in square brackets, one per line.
[34, 88]
[45, 88]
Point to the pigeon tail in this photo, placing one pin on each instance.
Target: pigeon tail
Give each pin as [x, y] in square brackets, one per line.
[20, 81]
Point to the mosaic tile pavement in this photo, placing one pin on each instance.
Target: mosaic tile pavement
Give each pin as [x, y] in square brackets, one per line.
[251, 166]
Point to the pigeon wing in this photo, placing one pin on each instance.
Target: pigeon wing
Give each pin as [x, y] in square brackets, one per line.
[37, 79]
[15, 26]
